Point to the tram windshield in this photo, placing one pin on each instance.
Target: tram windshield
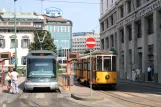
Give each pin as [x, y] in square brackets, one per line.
[41, 68]
[107, 63]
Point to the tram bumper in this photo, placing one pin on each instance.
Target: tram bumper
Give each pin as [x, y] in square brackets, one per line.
[32, 85]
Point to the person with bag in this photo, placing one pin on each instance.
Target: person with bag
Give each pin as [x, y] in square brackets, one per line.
[8, 78]
[14, 80]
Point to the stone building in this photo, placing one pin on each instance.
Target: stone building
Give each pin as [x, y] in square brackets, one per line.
[133, 28]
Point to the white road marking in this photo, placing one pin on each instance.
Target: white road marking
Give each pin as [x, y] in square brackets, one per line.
[40, 95]
[139, 94]
[24, 96]
[4, 105]
[122, 94]
[59, 96]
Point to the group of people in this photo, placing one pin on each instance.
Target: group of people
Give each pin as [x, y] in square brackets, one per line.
[12, 77]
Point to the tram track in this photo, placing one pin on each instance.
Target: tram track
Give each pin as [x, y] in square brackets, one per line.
[58, 100]
[152, 103]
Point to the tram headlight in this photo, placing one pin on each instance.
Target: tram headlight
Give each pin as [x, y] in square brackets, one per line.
[107, 76]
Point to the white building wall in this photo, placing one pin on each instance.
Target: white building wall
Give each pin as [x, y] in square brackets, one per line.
[20, 51]
[79, 43]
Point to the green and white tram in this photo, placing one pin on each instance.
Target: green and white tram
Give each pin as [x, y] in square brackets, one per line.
[41, 70]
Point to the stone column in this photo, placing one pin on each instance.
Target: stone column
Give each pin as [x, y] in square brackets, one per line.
[134, 46]
[126, 51]
[157, 46]
[144, 48]
[119, 54]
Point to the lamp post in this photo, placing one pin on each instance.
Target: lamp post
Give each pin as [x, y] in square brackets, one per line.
[15, 34]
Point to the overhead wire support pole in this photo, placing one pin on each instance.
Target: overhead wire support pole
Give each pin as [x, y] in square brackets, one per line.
[15, 34]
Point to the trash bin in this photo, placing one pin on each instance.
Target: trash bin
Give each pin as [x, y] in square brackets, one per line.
[71, 80]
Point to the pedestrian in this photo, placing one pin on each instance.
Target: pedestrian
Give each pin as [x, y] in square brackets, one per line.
[149, 73]
[14, 80]
[8, 78]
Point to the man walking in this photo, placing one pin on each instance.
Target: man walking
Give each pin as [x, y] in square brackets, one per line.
[14, 78]
[149, 73]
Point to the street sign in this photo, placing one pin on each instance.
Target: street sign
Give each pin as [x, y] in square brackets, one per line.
[90, 42]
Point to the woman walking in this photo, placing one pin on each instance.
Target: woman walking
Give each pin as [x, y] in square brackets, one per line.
[8, 78]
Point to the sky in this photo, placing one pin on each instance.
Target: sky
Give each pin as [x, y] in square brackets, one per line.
[85, 17]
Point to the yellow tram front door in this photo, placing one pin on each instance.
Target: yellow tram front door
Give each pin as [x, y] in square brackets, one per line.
[106, 70]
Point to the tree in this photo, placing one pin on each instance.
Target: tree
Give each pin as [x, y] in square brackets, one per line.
[48, 43]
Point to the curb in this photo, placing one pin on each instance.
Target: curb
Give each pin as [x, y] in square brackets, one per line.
[86, 98]
[139, 84]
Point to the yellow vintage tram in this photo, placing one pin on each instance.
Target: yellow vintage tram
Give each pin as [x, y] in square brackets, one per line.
[103, 69]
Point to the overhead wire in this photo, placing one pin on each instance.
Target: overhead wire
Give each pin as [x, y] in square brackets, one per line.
[66, 1]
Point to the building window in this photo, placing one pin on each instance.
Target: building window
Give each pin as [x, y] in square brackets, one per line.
[2, 43]
[107, 42]
[102, 26]
[138, 3]
[64, 61]
[107, 22]
[112, 41]
[121, 11]
[23, 60]
[150, 25]
[13, 43]
[25, 43]
[130, 32]
[129, 6]
[107, 4]
[112, 21]
[138, 29]
[102, 42]
[122, 35]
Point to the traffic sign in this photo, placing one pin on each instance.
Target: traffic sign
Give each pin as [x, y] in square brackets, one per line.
[90, 42]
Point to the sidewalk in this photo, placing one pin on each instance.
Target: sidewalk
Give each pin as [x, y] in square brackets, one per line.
[80, 92]
[141, 83]
[81, 95]
[6, 97]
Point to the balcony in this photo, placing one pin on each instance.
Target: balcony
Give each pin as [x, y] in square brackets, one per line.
[19, 24]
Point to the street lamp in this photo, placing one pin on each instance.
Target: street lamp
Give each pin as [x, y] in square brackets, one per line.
[15, 34]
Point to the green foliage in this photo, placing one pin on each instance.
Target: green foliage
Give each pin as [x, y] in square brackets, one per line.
[48, 43]
[60, 71]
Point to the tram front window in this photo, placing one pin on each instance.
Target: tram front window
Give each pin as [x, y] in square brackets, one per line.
[107, 63]
[41, 68]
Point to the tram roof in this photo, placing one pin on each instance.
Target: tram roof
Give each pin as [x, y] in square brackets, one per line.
[41, 52]
[103, 52]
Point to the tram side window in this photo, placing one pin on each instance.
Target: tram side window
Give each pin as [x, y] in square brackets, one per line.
[107, 63]
[99, 63]
[113, 63]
